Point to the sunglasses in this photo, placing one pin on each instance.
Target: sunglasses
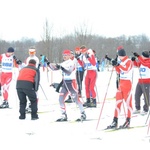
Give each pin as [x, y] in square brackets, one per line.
[65, 55]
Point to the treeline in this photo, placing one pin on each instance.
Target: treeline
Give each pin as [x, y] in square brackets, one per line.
[53, 47]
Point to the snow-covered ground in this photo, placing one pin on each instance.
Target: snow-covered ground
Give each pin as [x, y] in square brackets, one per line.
[47, 134]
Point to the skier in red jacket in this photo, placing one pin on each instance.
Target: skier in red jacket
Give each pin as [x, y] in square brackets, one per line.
[88, 61]
[124, 67]
[8, 61]
[143, 85]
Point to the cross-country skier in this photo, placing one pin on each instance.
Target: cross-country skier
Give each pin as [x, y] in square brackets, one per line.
[32, 55]
[43, 62]
[124, 91]
[143, 85]
[8, 61]
[0, 79]
[69, 85]
[79, 71]
[89, 63]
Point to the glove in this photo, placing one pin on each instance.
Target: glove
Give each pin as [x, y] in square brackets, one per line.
[48, 63]
[77, 56]
[106, 57]
[115, 63]
[62, 68]
[14, 57]
[19, 62]
[58, 66]
[133, 58]
[136, 54]
[87, 55]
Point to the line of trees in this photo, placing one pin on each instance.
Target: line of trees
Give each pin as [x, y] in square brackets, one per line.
[52, 46]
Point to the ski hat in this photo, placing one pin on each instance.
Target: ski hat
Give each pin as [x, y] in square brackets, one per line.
[121, 51]
[77, 48]
[145, 54]
[66, 52]
[10, 50]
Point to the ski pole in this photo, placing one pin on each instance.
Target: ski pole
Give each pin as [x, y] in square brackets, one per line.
[104, 98]
[148, 128]
[68, 90]
[147, 117]
[43, 92]
[97, 93]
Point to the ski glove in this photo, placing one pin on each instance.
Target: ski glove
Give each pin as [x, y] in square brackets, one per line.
[58, 66]
[115, 63]
[77, 56]
[106, 56]
[19, 62]
[48, 63]
[136, 54]
[87, 55]
[133, 58]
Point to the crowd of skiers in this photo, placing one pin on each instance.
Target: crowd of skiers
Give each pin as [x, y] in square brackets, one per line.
[77, 65]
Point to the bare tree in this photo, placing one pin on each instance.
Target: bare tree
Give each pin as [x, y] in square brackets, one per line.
[82, 33]
[47, 40]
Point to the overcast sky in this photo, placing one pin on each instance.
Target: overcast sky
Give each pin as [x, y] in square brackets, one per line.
[110, 18]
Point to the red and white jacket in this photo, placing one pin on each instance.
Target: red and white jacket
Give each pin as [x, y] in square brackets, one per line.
[144, 69]
[125, 69]
[88, 63]
[7, 63]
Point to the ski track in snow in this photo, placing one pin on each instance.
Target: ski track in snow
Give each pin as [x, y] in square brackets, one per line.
[47, 134]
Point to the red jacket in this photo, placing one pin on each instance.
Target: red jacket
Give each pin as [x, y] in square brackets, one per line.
[28, 78]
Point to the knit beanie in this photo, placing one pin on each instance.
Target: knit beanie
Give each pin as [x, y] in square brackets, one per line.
[121, 51]
[10, 50]
[145, 54]
[66, 52]
[77, 49]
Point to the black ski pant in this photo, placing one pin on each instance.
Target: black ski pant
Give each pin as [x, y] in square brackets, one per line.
[79, 77]
[142, 88]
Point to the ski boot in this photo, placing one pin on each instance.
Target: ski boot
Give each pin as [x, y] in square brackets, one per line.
[114, 124]
[93, 103]
[4, 104]
[83, 117]
[137, 111]
[144, 112]
[22, 116]
[69, 100]
[62, 118]
[87, 103]
[126, 124]
[34, 117]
